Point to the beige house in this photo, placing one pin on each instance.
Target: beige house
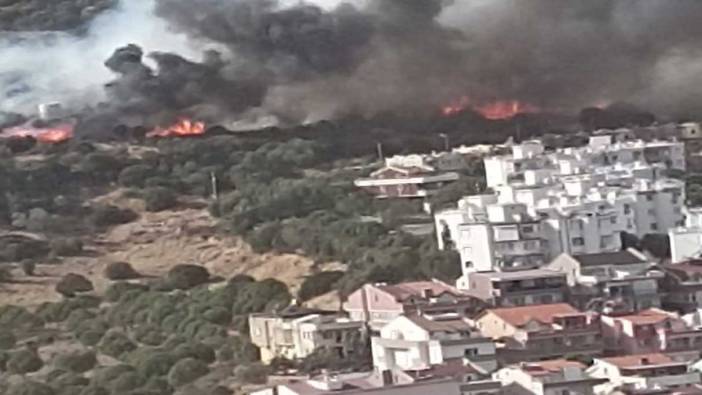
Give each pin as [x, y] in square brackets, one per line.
[297, 332]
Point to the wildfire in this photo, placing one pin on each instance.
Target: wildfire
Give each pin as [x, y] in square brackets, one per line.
[501, 109]
[182, 128]
[49, 135]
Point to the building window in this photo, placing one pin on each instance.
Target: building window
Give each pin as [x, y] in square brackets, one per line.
[613, 220]
[654, 226]
[578, 241]
[649, 198]
[627, 209]
[527, 229]
[470, 352]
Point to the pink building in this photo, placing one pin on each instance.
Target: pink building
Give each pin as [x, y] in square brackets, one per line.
[378, 304]
[651, 331]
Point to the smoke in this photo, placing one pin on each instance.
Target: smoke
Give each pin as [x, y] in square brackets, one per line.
[296, 61]
[37, 67]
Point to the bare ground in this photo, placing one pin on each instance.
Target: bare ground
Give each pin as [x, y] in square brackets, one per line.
[155, 243]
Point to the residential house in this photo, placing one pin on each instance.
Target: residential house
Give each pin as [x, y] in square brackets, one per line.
[651, 331]
[518, 288]
[405, 182]
[368, 383]
[419, 342]
[297, 332]
[681, 288]
[656, 371]
[378, 304]
[622, 280]
[556, 376]
[540, 332]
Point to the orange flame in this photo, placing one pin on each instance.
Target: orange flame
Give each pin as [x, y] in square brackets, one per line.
[49, 135]
[182, 128]
[501, 109]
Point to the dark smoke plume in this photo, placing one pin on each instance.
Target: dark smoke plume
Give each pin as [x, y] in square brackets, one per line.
[303, 61]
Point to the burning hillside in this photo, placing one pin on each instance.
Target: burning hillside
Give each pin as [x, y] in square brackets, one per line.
[496, 110]
[183, 128]
[48, 134]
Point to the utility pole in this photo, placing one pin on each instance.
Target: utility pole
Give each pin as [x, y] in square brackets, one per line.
[215, 186]
[445, 137]
[381, 156]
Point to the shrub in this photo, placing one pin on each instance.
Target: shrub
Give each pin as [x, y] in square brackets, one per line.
[318, 284]
[186, 371]
[115, 344]
[154, 364]
[19, 318]
[68, 379]
[187, 276]
[28, 387]
[77, 362]
[159, 199]
[28, 267]
[120, 271]
[197, 351]
[135, 176]
[73, 283]
[104, 376]
[24, 361]
[117, 290]
[90, 337]
[70, 246]
[126, 382]
[253, 374]
[94, 390]
[106, 215]
[5, 275]
[218, 315]
[4, 357]
[7, 339]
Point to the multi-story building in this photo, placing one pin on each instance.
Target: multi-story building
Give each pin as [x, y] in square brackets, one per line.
[681, 287]
[416, 343]
[538, 332]
[297, 332]
[651, 331]
[504, 237]
[622, 280]
[556, 376]
[686, 241]
[654, 371]
[518, 288]
[378, 304]
[576, 201]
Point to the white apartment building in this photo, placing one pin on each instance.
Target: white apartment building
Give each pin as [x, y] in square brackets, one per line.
[415, 343]
[557, 376]
[574, 200]
[686, 242]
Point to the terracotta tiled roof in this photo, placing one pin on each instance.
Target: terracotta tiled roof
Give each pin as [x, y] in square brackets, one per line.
[551, 366]
[639, 360]
[403, 291]
[647, 317]
[543, 313]
[454, 325]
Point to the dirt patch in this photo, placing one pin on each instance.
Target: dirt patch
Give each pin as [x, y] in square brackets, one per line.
[156, 242]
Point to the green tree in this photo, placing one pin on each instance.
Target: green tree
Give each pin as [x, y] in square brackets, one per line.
[120, 271]
[77, 362]
[115, 344]
[186, 371]
[73, 283]
[187, 276]
[24, 361]
[160, 199]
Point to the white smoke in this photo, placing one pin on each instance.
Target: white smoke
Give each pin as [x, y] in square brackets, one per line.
[56, 66]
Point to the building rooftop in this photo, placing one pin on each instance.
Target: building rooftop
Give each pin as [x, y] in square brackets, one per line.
[440, 325]
[646, 317]
[544, 313]
[641, 360]
[543, 368]
[418, 289]
[627, 257]
[522, 274]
